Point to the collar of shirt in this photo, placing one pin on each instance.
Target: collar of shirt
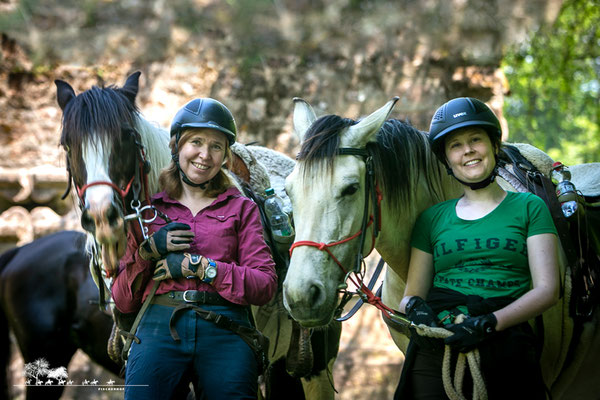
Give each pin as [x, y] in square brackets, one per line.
[165, 198]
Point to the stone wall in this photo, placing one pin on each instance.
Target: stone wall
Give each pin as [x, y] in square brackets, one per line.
[346, 57]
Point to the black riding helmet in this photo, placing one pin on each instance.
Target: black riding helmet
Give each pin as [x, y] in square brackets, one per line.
[459, 113]
[205, 113]
[201, 113]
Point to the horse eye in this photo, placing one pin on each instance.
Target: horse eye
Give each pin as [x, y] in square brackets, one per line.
[350, 190]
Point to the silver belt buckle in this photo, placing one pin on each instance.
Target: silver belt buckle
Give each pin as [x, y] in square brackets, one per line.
[185, 297]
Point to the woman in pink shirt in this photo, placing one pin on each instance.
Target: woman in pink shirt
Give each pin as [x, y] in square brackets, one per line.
[211, 254]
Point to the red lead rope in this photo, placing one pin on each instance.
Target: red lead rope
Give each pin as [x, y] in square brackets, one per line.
[369, 296]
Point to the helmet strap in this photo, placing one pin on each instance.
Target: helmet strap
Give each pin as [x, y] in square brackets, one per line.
[187, 180]
[481, 184]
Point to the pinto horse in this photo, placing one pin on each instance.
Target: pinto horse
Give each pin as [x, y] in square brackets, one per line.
[361, 185]
[114, 156]
[49, 300]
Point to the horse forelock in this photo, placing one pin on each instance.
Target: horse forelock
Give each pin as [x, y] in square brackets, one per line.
[97, 111]
[96, 116]
[400, 155]
[95, 120]
[321, 143]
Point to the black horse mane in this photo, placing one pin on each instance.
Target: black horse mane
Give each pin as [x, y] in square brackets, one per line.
[399, 154]
[101, 111]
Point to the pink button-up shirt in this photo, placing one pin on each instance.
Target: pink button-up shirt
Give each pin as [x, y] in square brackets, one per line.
[229, 231]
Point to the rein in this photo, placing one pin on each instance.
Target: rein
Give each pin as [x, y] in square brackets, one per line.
[374, 196]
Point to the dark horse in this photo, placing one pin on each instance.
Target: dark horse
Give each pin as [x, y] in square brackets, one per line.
[49, 300]
[114, 156]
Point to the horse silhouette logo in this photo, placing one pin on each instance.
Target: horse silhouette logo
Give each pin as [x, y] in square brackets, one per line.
[39, 369]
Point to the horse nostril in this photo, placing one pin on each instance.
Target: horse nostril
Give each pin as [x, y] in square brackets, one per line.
[112, 216]
[87, 222]
[315, 295]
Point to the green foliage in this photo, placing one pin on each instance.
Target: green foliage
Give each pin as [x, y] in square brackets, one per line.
[554, 79]
[17, 18]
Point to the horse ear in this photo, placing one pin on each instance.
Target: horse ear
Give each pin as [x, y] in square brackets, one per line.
[130, 89]
[360, 134]
[304, 116]
[64, 93]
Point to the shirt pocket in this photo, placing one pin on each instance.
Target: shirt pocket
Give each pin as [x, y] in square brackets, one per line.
[222, 225]
[222, 233]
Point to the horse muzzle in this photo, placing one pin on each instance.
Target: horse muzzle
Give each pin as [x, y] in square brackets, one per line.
[308, 304]
[108, 227]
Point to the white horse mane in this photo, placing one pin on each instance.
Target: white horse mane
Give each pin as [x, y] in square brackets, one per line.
[156, 147]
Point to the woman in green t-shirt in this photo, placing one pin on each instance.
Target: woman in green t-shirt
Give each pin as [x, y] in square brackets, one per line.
[490, 255]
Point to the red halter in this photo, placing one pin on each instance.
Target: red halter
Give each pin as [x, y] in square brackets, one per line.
[122, 192]
[325, 246]
[140, 173]
[373, 193]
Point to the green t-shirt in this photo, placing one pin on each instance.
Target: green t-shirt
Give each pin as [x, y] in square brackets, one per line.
[487, 256]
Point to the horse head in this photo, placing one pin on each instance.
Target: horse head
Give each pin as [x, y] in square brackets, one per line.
[103, 136]
[327, 190]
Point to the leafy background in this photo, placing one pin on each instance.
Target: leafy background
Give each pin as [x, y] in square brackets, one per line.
[554, 81]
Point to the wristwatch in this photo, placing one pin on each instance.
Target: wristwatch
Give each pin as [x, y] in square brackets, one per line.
[210, 272]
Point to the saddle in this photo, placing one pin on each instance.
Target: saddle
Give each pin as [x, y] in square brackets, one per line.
[579, 234]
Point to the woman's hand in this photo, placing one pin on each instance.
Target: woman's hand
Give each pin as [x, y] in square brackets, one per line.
[174, 236]
[179, 265]
[419, 312]
[472, 331]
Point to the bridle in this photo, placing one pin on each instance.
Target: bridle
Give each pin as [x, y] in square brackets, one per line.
[373, 196]
[135, 185]
[138, 181]
[123, 192]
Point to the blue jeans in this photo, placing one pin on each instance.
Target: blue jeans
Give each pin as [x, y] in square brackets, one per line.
[223, 365]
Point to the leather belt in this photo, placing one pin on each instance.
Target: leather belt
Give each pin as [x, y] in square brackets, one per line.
[175, 298]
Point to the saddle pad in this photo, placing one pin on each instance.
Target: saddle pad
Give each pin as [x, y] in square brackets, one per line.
[259, 177]
[586, 178]
[542, 161]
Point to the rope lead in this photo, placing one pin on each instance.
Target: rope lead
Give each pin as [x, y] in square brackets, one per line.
[454, 389]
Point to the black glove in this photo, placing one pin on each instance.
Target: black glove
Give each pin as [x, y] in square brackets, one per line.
[472, 331]
[419, 312]
[174, 236]
[179, 265]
